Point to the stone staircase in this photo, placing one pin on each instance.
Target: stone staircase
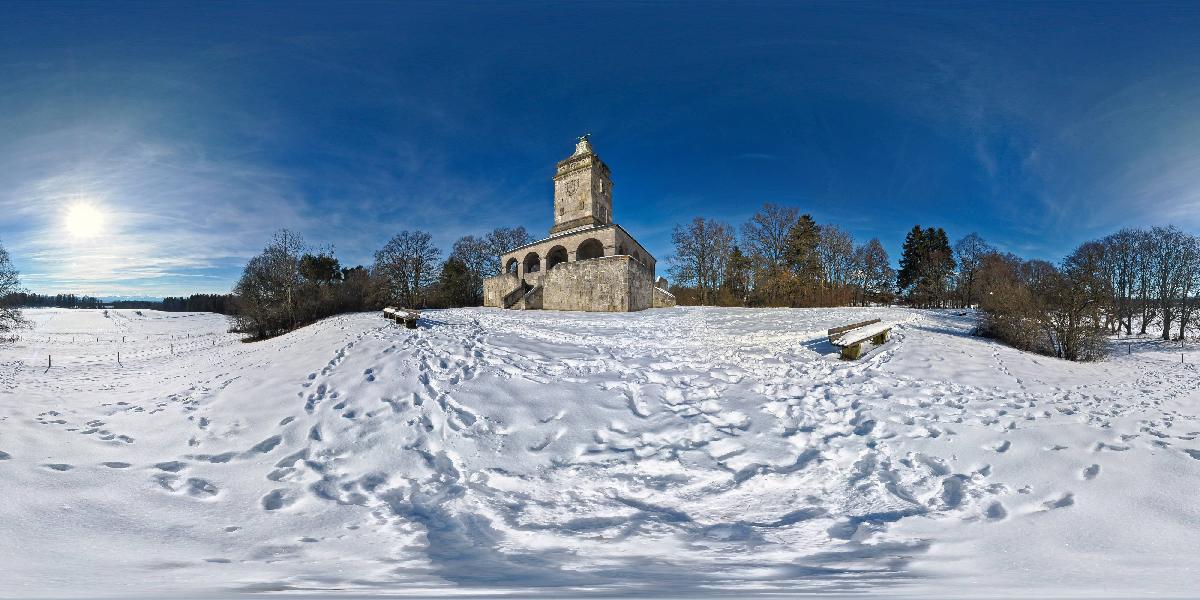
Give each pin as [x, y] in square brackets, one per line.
[512, 298]
[532, 300]
[524, 297]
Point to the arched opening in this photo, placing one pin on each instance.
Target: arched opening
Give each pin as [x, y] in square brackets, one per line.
[555, 257]
[511, 267]
[589, 249]
[532, 263]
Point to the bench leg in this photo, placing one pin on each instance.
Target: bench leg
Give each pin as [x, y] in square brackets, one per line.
[410, 323]
[851, 352]
[879, 339]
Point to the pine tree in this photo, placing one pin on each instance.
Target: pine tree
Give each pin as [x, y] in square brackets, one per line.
[910, 259]
[802, 256]
[456, 285]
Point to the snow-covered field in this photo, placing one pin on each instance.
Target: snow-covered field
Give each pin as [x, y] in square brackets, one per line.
[684, 452]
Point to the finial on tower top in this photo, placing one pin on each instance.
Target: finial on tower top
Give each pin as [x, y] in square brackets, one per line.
[583, 146]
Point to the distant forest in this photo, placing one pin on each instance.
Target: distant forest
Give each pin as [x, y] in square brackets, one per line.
[216, 303]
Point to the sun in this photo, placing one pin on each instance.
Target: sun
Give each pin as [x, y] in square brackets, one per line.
[84, 220]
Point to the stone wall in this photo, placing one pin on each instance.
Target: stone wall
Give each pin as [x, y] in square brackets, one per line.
[613, 238]
[608, 284]
[663, 298]
[494, 288]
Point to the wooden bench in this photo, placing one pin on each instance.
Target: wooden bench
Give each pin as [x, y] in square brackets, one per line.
[850, 338]
[402, 316]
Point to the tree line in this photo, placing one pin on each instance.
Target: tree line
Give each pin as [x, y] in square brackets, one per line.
[779, 257]
[1143, 280]
[28, 300]
[290, 285]
[214, 303]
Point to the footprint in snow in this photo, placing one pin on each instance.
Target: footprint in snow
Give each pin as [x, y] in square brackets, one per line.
[267, 445]
[277, 499]
[59, 466]
[995, 511]
[1091, 472]
[116, 465]
[6, 456]
[173, 466]
[1067, 499]
[1003, 446]
[201, 488]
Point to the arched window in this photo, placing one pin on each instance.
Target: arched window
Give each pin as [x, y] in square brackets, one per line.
[590, 248]
[555, 257]
[511, 267]
[532, 262]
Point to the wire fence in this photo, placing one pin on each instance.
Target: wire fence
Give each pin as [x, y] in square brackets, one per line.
[118, 353]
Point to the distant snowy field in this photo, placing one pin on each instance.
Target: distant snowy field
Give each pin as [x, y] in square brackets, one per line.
[685, 451]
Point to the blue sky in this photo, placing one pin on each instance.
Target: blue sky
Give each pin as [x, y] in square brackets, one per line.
[195, 130]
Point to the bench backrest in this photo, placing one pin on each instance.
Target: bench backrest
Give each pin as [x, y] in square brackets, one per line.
[837, 330]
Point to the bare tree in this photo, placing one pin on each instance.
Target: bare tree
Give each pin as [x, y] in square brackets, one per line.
[1120, 268]
[269, 290]
[836, 250]
[406, 266]
[873, 271]
[1144, 275]
[969, 251]
[701, 252]
[475, 255]
[1073, 298]
[10, 284]
[765, 235]
[1167, 261]
[1189, 277]
[499, 241]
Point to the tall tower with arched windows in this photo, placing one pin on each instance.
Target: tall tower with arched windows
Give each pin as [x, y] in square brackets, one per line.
[588, 262]
[582, 190]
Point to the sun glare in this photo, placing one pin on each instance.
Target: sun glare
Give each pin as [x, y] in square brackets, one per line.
[84, 220]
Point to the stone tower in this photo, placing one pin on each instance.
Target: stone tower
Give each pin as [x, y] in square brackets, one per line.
[582, 190]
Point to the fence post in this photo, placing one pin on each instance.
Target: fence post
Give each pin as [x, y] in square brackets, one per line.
[49, 361]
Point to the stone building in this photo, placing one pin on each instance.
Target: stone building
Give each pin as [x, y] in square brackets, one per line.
[588, 262]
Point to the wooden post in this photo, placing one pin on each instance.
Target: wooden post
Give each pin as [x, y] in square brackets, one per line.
[49, 362]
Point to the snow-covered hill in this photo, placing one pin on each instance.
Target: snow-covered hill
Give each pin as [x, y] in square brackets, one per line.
[683, 451]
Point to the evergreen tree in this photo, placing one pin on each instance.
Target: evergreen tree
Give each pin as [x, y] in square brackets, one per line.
[802, 255]
[926, 265]
[456, 284]
[910, 258]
